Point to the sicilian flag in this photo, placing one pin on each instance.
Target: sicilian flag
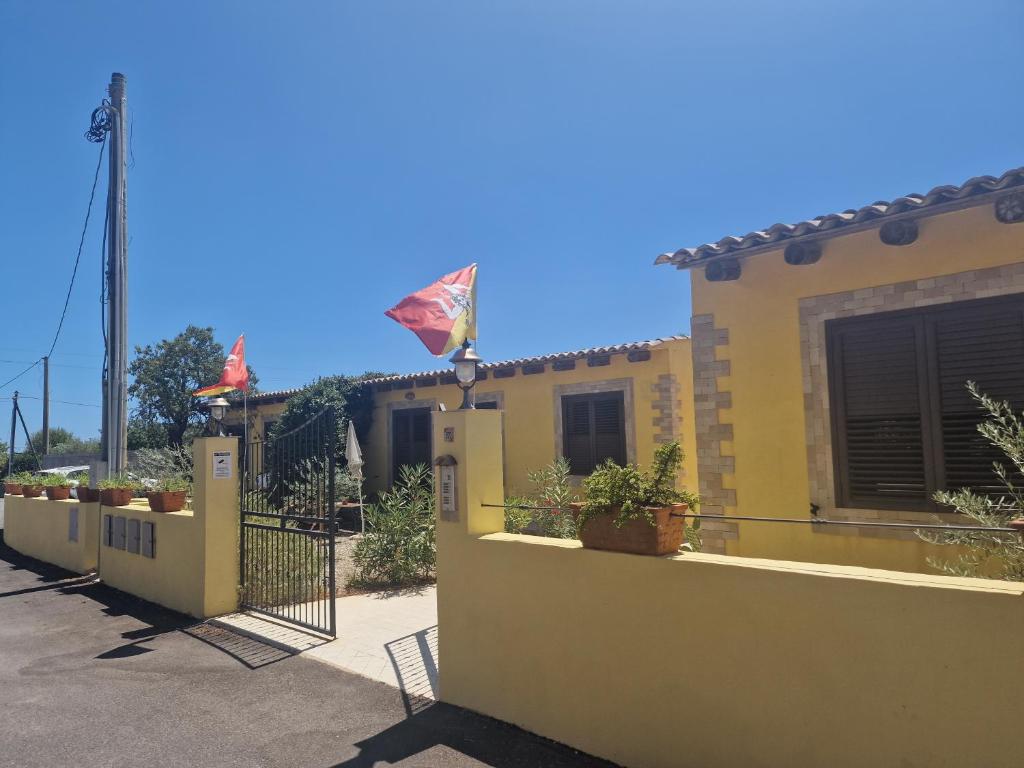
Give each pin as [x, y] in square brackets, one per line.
[235, 374]
[443, 314]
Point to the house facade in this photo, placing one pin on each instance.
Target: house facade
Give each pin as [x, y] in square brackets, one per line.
[830, 361]
[588, 405]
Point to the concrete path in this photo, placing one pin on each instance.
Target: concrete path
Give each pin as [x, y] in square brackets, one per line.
[385, 636]
[91, 677]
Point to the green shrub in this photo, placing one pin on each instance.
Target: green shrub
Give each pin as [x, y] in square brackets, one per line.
[122, 480]
[633, 492]
[988, 554]
[172, 484]
[81, 479]
[54, 480]
[551, 488]
[399, 546]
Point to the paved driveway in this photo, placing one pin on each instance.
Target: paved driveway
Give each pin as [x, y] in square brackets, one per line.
[92, 677]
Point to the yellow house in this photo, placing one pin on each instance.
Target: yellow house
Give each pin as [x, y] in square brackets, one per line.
[616, 402]
[829, 362]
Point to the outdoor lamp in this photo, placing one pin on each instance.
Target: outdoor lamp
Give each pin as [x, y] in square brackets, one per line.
[218, 408]
[466, 360]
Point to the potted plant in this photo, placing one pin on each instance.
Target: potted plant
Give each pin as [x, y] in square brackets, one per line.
[31, 486]
[168, 495]
[84, 493]
[627, 510]
[116, 491]
[12, 484]
[58, 488]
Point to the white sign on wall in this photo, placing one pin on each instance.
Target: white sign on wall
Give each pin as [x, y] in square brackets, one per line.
[222, 465]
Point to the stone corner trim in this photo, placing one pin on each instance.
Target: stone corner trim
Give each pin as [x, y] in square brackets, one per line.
[710, 432]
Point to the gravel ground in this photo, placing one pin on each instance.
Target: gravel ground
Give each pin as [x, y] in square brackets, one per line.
[344, 568]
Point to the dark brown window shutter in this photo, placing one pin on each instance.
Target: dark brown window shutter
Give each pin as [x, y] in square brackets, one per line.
[593, 430]
[984, 344]
[881, 442]
[904, 424]
[410, 438]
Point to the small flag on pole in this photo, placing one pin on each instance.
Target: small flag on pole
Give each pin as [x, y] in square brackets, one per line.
[443, 314]
[235, 374]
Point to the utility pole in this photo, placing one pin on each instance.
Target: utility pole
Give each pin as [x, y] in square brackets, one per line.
[14, 423]
[46, 405]
[112, 118]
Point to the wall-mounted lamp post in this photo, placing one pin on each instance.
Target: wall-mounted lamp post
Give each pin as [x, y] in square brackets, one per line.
[218, 408]
[466, 361]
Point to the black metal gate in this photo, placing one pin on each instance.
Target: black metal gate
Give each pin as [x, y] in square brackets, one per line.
[288, 525]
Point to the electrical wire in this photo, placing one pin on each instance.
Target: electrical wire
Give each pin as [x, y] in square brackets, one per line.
[15, 378]
[81, 243]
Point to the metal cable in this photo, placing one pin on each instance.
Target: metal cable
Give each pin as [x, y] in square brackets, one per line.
[805, 521]
[81, 242]
[15, 378]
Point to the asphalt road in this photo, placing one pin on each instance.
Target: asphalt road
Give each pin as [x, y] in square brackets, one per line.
[92, 677]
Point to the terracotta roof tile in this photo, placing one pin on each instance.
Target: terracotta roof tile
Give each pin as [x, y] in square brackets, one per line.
[938, 198]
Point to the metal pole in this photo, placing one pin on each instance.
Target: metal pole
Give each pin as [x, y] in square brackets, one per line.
[116, 389]
[14, 422]
[46, 405]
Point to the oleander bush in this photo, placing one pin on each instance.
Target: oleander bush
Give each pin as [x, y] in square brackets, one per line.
[399, 547]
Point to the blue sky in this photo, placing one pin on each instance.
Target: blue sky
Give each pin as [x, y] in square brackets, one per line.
[299, 167]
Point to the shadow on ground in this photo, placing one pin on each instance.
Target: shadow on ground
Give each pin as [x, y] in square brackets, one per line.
[248, 652]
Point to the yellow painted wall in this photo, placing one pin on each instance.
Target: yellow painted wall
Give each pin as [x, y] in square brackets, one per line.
[530, 413]
[709, 661]
[39, 528]
[760, 311]
[259, 415]
[195, 569]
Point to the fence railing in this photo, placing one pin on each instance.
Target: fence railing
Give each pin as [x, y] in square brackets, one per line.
[819, 521]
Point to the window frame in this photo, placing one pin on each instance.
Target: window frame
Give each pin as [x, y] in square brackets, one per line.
[929, 396]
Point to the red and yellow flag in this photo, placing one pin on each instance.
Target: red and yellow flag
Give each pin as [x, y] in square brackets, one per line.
[235, 374]
[443, 314]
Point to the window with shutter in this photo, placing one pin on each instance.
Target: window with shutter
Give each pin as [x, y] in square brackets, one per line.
[904, 424]
[410, 438]
[593, 430]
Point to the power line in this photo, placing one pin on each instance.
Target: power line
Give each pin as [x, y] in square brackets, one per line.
[81, 243]
[15, 378]
[62, 402]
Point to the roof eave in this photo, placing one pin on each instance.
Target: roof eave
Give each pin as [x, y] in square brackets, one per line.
[689, 261]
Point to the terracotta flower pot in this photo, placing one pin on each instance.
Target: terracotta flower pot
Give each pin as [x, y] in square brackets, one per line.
[12, 489]
[31, 491]
[166, 501]
[636, 536]
[115, 497]
[87, 495]
[58, 492]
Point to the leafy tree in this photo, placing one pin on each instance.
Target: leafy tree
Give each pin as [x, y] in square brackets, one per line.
[146, 434]
[64, 441]
[166, 375]
[988, 553]
[350, 397]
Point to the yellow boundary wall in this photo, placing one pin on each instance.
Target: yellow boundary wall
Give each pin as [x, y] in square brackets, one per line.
[39, 528]
[708, 660]
[195, 564]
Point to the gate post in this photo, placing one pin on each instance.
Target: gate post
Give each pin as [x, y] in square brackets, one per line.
[467, 444]
[215, 501]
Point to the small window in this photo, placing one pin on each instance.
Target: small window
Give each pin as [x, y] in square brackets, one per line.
[593, 430]
[487, 405]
